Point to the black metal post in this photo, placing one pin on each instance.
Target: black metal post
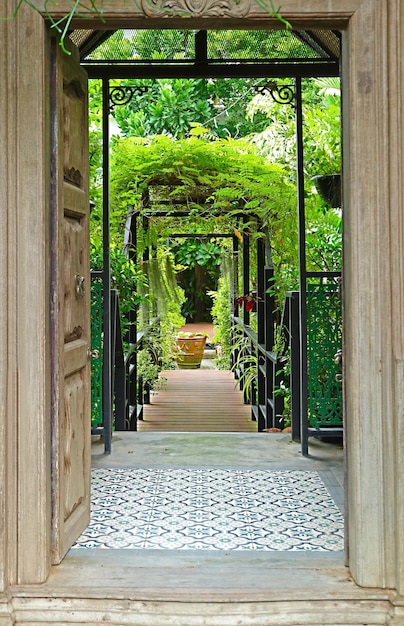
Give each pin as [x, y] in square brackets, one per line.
[261, 289]
[234, 281]
[261, 327]
[268, 364]
[134, 389]
[302, 267]
[233, 296]
[269, 308]
[201, 47]
[107, 369]
[246, 275]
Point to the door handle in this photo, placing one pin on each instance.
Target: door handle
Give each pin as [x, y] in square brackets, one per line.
[80, 289]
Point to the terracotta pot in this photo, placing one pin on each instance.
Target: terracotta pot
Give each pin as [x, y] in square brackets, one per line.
[190, 351]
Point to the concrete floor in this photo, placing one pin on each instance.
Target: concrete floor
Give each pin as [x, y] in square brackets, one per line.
[244, 450]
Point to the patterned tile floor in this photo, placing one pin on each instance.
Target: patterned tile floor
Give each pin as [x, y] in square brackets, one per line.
[213, 509]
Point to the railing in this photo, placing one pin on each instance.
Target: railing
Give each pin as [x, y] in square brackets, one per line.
[261, 371]
[126, 388]
[258, 371]
[129, 392]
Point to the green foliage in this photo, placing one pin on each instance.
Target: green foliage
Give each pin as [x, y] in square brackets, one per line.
[165, 297]
[171, 106]
[321, 128]
[198, 264]
[150, 371]
[162, 44]
[322, 140]
[222, 177]
[193, 251]
[126, 276]
[245, 363]
[95, 156]
[277, 140]
[175, 106]
[221, 319]
[286, 278]
[324, 242]
[322, 155]
[169, 325]
[168, 107]
[160, 316]
[228, 174]
[285, 392]
[156, 354]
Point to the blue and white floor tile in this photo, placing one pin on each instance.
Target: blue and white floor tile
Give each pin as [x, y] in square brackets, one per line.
[212, 509]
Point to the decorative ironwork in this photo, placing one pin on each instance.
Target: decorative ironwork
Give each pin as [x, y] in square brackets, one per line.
[282, 94]
[118, 96]
[324, 339]
[96, 345]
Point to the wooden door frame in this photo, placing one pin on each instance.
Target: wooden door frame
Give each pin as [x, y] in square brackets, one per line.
[373, 109]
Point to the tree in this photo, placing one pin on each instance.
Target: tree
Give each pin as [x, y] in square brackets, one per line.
[168, 107]
[321, 128]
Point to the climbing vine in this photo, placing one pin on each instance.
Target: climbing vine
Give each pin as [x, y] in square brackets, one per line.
[214, 181]
[211, 178]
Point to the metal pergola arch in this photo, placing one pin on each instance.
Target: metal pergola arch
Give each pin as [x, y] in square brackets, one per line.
[203, 68]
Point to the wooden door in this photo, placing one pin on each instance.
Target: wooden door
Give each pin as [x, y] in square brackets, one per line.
[70, 302]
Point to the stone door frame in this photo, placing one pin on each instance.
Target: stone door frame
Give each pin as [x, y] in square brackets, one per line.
[373, 169]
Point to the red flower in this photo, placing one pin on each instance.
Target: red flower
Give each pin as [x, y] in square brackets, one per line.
[250, 299]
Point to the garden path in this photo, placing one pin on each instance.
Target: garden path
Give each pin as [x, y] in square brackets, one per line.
[198, 400]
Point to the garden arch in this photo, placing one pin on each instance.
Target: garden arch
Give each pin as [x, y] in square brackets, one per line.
[373, 75]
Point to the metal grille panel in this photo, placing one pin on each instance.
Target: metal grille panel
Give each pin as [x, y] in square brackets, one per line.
[177, 45]
[257, 44]
[146, 45]
[330, 40]
[324, 339]
[80, 36]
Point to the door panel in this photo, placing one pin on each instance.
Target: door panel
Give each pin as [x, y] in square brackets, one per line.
[71, 434]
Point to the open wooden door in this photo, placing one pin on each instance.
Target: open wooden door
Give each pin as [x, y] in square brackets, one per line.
[70, 302]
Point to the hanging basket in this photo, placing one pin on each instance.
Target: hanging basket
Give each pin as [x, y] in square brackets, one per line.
[190, 348]
[329, 188]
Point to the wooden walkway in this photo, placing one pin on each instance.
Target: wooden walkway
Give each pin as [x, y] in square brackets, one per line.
[200, 400]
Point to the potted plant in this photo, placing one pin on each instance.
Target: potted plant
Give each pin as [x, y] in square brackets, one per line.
[189, 349]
